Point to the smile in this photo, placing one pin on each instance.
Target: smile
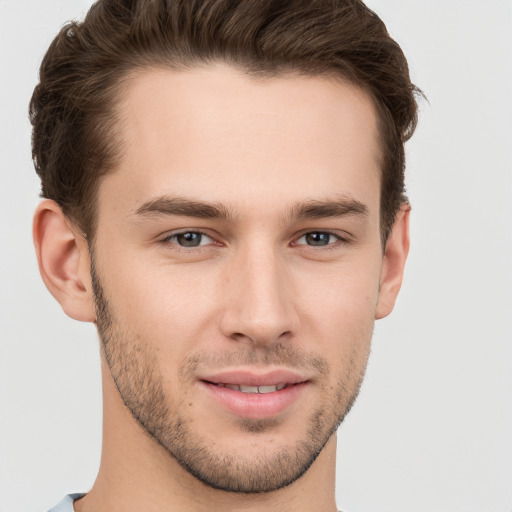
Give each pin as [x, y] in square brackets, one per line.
[253, 389]
[255, 395]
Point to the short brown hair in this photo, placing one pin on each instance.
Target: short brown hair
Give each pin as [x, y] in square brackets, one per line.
[73, 108]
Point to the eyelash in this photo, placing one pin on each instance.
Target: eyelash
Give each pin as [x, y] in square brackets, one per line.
[340, 240]
[174, 239]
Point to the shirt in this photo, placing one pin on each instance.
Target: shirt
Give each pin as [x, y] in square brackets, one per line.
[66, 505]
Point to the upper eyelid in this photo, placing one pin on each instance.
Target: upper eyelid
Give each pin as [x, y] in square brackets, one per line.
[341, 235]
[170, 241]
[168, 236]
[339, 238]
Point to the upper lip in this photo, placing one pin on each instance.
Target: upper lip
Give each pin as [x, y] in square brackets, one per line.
[246, 377]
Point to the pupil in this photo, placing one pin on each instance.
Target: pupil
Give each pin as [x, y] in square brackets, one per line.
[317, 238]
[189, 239]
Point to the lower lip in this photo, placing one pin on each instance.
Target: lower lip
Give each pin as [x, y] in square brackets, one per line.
[255, 405]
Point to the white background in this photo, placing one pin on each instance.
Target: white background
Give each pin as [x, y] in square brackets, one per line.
[432, 429]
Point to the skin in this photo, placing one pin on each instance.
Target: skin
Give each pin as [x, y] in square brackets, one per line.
[259, 293]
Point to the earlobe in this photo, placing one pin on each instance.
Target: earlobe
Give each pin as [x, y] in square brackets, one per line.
[393, 263]
[63, 259]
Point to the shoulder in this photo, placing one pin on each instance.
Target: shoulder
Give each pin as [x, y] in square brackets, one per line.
[66, 504]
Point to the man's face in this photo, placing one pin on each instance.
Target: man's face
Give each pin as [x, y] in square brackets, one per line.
[236, 266]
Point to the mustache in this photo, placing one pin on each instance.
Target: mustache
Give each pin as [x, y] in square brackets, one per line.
[279, 354]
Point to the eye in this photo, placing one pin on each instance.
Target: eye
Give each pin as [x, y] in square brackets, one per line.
[189, 239]
[318, 239]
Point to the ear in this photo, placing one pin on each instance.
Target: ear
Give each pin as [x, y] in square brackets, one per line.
[393, 263]
[64, 263]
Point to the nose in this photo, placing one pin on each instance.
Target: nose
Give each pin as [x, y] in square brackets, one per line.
[258, 298]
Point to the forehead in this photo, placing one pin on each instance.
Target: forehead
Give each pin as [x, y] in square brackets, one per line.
[221, 135]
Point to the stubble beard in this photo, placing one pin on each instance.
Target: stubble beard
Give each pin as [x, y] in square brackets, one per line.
[135, 371]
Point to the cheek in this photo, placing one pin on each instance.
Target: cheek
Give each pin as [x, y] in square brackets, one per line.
[167, 306]
[337, 310]
[345, 293]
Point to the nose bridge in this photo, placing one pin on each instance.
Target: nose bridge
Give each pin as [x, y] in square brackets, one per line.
[258, 296]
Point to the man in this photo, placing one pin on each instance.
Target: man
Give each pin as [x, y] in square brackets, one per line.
[225, 200]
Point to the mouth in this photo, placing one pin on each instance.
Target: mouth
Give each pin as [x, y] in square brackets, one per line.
[257, 396]
[262, 390]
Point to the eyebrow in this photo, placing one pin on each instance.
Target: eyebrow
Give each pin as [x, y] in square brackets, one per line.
[186, 207]
[312, 209]
[341, 207]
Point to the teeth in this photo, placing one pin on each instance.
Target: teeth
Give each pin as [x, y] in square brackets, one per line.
[267, 389]
[253, 389]
[249, 389]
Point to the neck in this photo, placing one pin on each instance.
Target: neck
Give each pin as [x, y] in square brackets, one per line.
[136, 473]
